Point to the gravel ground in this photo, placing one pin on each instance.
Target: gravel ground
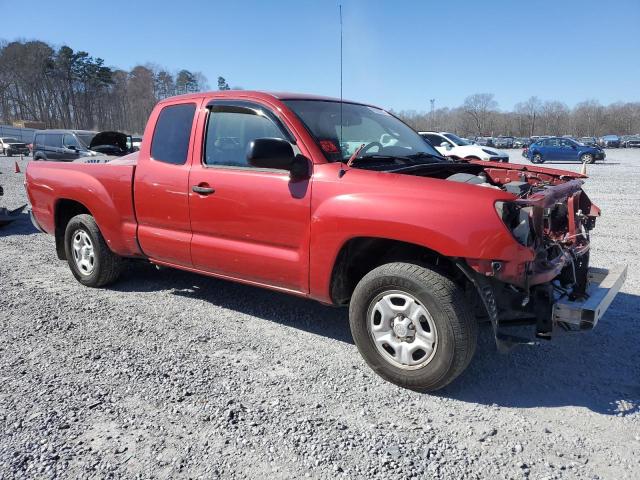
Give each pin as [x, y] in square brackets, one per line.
[169, 374]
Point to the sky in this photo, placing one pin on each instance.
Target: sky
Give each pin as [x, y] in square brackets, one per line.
[397, 54]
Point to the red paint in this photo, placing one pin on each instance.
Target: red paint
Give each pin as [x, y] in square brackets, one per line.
[260, 227]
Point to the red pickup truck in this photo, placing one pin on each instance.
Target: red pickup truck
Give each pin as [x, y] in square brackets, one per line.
[343, 203]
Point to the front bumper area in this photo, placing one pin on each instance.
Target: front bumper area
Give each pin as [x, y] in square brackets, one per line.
[18, 150]
[584, 314]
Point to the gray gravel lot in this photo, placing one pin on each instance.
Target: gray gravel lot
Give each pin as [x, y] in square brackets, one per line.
[169, 374]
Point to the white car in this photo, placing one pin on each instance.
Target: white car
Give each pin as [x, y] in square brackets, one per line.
[451, 145]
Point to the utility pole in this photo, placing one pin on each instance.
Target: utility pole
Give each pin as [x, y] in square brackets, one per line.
[433, 103]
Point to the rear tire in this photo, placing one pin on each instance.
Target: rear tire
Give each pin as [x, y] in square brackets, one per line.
[437, 316]
[90, 259]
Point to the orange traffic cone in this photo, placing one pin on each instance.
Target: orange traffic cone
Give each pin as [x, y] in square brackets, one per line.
[17, 167]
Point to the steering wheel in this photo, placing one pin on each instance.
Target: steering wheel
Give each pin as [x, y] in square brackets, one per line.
[371, 145]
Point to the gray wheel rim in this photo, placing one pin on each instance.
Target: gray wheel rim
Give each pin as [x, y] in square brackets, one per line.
[402, 329]
[83, 253]
[586, 158]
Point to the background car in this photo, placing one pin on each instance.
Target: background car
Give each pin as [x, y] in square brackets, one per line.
[630, 141]
[609, 141]
[521, 142]
[563, 149]
[11, 146]
[503, 142]
[62, 145]
[136, 142]
[451, 145]
[484, 141]
[591, 141]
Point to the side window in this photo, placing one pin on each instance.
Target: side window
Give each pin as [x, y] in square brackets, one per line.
[53, 140]
[229, 134]
[170, 142]
[70, 141]
[434, 140]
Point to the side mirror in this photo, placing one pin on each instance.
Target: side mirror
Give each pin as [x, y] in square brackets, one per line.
[278, 154]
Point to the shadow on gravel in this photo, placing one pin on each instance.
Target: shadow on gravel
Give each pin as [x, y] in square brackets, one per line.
[21, 226]
[597, 370]
[306, 315]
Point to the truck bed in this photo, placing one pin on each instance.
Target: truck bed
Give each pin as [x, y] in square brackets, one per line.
[105, 189]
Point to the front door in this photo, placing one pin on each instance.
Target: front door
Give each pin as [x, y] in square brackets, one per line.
[70, 147]
[248, 223]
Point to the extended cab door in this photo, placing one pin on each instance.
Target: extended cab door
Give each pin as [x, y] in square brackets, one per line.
[161, 184]
[248, 223]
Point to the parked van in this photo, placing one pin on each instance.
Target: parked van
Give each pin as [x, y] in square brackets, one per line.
[62, 145]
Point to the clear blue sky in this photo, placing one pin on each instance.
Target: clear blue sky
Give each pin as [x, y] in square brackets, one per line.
[397, 54]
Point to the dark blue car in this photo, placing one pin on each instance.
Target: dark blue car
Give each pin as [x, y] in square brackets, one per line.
[563, 149]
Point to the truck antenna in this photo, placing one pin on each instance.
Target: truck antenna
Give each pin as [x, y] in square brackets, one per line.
[342, 172]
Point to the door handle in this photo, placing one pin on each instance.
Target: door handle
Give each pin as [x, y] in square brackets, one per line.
[203, 190]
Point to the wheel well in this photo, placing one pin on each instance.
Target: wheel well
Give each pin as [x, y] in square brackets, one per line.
[360, 255]
[472, 157]
[65, 210]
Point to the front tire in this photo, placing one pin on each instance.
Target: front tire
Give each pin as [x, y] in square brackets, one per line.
[537, 158]
[90, 259]
[587, 158]
[412, 325]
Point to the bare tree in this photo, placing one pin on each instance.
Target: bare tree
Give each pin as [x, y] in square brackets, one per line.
[71, 89]
[480, 107]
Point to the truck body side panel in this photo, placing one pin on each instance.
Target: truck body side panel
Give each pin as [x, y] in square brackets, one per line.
[437, 215]
[103, 189]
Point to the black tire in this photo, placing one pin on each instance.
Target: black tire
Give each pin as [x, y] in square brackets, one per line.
[587, 158]
[456, 327]
[537, 158]
[9, 153]
[106, 265]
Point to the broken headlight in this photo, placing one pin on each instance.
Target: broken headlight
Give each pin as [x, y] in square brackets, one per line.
[518, 220]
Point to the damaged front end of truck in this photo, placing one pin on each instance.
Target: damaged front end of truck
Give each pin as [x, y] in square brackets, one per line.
[555, 287]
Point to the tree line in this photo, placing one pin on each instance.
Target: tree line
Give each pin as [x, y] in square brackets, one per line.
[71, 89]
[479, 115]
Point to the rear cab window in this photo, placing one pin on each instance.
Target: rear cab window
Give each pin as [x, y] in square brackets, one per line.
[170, 141]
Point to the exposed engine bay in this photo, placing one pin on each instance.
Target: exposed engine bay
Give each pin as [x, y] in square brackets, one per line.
[551, 215]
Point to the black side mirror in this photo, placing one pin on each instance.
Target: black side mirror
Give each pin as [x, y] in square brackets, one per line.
[278, 154]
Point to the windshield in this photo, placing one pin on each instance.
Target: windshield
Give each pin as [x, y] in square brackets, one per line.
[85, 138]
[456, 139]
[381, 133]
[8, 140]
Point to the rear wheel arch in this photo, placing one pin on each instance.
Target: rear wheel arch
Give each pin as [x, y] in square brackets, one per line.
[360, 255]
[65, 209]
